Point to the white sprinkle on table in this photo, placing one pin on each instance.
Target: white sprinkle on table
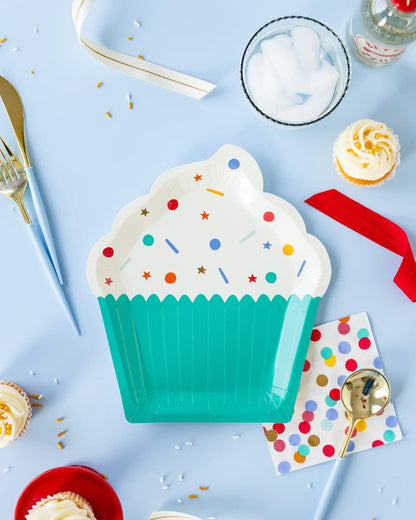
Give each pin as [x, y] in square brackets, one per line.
[236, 436]
[162, 479]
[40, 396]
[7, 469]
[211, 518]
[15, 49]
[137, 23]
[35, 30]
[179, 500]
[395, 501]
[177, 447]
[380, 490]
[128, 96]
[56, 381]
[165, 486]
[31, 373]
[188, 443]
[309, 485]
[181, 477]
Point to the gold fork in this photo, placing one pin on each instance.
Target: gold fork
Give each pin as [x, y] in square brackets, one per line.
[13, 183]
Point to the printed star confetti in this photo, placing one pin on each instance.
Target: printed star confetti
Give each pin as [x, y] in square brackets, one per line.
[318, 426]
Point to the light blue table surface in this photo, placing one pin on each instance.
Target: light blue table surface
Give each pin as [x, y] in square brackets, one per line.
[90, 166]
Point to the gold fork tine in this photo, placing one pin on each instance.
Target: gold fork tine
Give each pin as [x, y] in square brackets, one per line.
[7, 169]
[13, 159]
[3, 174]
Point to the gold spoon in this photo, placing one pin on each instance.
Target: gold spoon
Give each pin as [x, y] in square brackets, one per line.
[364, 393]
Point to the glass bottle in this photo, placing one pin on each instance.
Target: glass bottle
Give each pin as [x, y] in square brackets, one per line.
[381, 30]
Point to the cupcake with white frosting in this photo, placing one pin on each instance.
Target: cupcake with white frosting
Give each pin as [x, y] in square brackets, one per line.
[367, 153]
[15, 412]
[62, 506]
[208, 288]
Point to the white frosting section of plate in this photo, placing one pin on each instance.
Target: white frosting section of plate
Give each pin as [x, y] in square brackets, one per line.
[208, 228]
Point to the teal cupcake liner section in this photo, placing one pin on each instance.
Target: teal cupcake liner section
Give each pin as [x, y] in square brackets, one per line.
[208, 360]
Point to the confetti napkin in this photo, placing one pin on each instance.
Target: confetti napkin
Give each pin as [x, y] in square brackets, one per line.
[319, 423]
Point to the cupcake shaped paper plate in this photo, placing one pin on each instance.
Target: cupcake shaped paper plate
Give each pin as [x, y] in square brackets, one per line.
[208, 289]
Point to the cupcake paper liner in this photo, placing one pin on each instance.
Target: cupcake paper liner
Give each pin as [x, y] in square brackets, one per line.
[29, 411]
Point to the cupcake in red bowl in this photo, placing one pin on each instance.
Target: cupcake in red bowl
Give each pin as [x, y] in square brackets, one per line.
[70, 492]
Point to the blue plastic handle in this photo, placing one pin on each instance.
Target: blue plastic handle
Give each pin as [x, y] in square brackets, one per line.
[50, 272]
[43, 220]
[329, 489]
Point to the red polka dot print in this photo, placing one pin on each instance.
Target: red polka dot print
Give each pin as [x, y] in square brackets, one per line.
[343, 328]
[328, 450]
[268, 216]
[335, 394]
[280, 428]
[377, 443]
[279, 445]
[304, 427]
[364, 343]
[173, 204]
[351, 365]
[308, 416]
[306, 366]
[108, 252]
[316, 335]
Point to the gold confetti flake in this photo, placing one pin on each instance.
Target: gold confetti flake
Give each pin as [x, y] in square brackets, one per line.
[130, 105]
[109, 115]
[60, 419]
[140, 57]
[60, 446]
[37, 404]
[203, 488]
[99, 84]
[104, 476]
[3, 40]
[192, 496]
[62, 433]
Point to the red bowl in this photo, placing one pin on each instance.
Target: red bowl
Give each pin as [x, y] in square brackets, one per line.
[79, 479]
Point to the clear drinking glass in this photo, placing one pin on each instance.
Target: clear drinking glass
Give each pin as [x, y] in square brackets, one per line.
[332, 49]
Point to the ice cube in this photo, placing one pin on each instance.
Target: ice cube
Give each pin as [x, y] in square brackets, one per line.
[306, 46]
[311, 109]
[266, 87]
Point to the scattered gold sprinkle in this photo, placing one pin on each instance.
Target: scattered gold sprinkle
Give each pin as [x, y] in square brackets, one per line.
[3, 40]
[62, 433]
[37, 404]
[34, 396]
[99, 84]
[104, 476]
[140, 57]
[109, 115]
[60, 419]
[192, 496]
[130, 38]
[130, 105]
[60, 446]
[203, 488]
[32, 72]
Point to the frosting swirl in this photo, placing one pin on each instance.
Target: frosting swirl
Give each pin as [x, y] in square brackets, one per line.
[58, 507]
[367, 150]
[14, 412]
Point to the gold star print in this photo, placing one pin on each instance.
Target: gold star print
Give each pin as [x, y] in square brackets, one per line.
[205, 215]
[145, 212]
[201, 269]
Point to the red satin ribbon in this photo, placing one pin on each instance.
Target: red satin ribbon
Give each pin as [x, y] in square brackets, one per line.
[373, 226]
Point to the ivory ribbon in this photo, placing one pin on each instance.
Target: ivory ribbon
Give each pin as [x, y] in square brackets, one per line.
[141, 69]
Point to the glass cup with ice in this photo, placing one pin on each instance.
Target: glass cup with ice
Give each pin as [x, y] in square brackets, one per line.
[295, 71]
